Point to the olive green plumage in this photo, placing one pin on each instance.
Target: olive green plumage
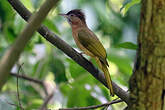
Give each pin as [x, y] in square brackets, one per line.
[92, 44]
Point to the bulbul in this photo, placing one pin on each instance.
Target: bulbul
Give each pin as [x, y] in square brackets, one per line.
[88, 42]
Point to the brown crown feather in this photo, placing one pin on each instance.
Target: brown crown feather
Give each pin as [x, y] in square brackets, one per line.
[78, 13]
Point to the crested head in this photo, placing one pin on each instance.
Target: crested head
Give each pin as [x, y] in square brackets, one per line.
[78, 13]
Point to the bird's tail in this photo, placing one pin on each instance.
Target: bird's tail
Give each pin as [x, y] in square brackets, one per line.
[108, 78]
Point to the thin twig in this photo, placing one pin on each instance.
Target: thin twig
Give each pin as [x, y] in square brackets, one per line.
[93, 106]
[63, 46]
[43, 107]
[5, 101]
[21, 67]
[12, 104]
[27, 78]
[40, 82]
[18, 96]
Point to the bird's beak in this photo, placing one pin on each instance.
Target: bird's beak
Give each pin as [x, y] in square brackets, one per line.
[65, 15]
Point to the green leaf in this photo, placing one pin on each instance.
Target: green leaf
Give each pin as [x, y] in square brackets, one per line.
[127, 4]
[127, 45]
[58, 68]
[124, 66]
[51, 26]
[9, 33]
[78, 89]
[34, 104]
[28, 5]
[19, 24]
[75, 69]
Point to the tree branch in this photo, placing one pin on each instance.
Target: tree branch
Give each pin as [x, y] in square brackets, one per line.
[93, 107]
[27, 78]
[13, 53]
[40, 82]
[43, 107]
[69, 51]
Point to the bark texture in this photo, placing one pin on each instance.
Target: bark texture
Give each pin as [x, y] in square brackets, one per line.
[147, 84]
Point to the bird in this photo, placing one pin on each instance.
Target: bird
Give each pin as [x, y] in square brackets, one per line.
[88, 42]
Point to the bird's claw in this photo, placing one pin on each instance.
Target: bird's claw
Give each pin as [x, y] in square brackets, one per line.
[81, 53]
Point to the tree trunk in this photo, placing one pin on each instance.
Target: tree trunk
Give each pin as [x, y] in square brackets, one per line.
[147, 84]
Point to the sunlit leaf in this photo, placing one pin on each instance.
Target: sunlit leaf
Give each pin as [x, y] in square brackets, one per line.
[51, 25]
[28, 5]
[127, 45]
[127, 4]
[35, 103]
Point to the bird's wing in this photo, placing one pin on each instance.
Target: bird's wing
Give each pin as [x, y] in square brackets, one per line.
[91, 43]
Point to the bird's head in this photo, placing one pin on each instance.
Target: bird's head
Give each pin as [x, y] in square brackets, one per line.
[75, 17]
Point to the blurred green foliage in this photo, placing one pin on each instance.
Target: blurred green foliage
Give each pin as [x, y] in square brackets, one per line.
[114, 22]
[127, 45]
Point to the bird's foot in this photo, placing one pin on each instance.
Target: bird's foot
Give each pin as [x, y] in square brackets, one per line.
[81, 53]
